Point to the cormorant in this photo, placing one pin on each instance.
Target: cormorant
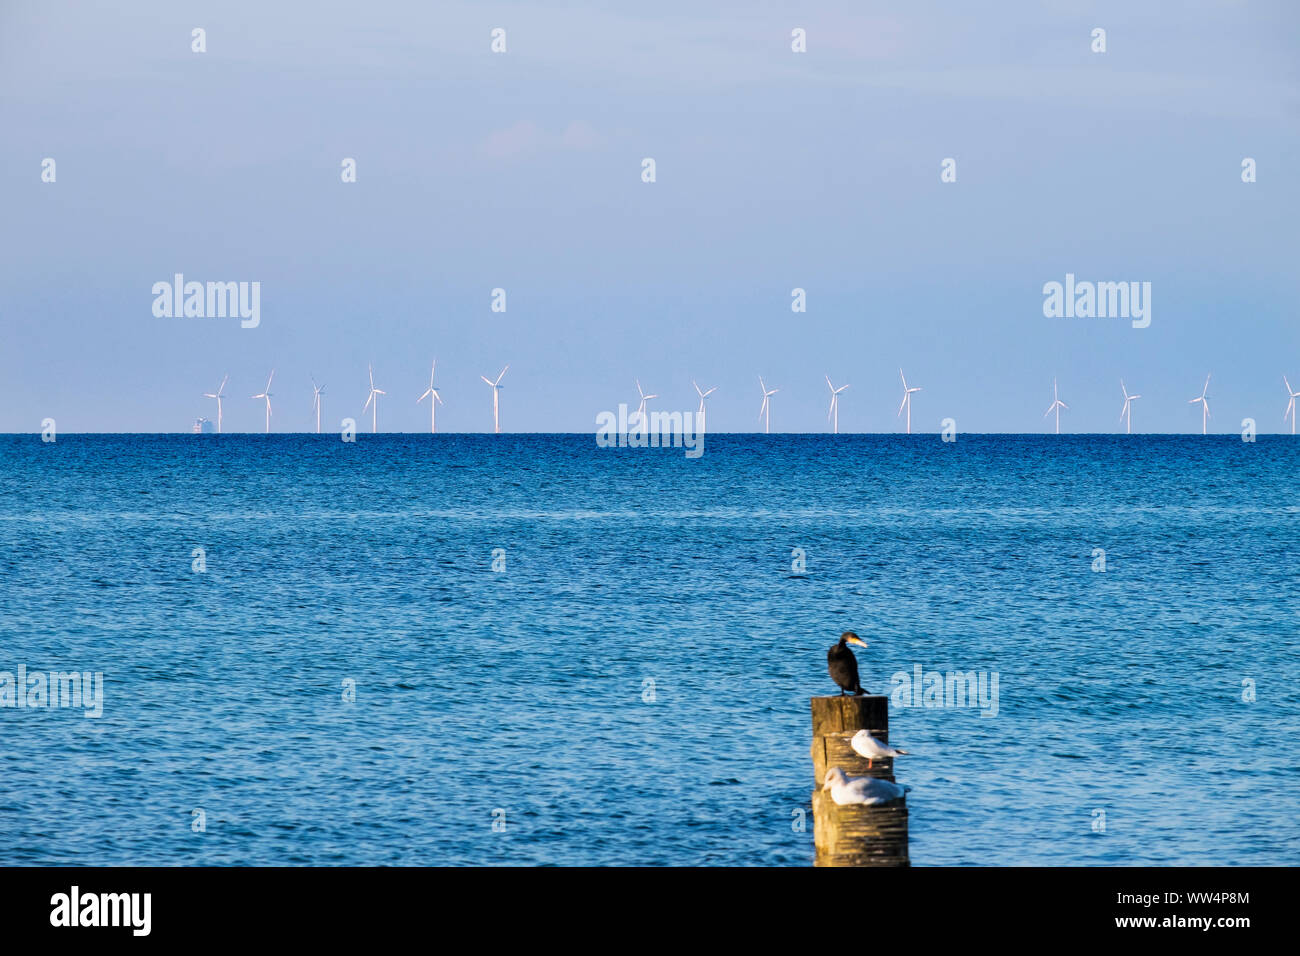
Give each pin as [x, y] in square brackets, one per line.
[843, 665]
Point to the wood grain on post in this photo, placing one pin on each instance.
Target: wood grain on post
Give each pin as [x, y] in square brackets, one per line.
[857, 835]
[854, 835]
[835, 721]
[868, 712]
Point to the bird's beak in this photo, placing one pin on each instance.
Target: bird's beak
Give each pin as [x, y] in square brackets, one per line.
[858, 641]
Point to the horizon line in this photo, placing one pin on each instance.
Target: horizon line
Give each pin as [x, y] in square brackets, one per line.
[914, 434]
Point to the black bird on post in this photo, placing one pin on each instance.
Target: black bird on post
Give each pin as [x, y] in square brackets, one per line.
[843, 665]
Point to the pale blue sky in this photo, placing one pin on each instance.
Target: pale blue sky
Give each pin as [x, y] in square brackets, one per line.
[522, 170]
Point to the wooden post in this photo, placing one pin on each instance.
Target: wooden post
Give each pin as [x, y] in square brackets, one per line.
[854, 835]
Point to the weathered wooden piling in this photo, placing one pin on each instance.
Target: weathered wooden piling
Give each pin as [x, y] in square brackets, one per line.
[854, 835]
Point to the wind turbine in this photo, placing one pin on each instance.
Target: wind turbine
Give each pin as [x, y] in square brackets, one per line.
[434, 401]
[1056, 406]
[496, 398]
[315, 402]
[907, 400]
[1205, 404]
[217, 395]
[640, 409]
[834, 413]
[1290, 408]
[703, 395]
[373, 397]
[765, 412]
[266, 394]
[1126, 411]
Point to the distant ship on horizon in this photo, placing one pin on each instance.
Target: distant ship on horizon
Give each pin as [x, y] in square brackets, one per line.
[204, 427]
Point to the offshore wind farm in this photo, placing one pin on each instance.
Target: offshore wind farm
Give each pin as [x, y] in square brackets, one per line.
[641, 417]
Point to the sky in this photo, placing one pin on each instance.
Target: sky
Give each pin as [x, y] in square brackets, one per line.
[522, 170]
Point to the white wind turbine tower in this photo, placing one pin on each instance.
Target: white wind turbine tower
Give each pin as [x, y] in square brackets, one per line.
[907, 400]
[373, 397]
[765, 412]
[266, 394]
[834, 413]
[496, 396]
[703, 395]
[640, 409]
[1126, 411]
[1290, 408]
[315, 402]
[1056, 406]
[435, 400]
[1205, 404]
[217, 395]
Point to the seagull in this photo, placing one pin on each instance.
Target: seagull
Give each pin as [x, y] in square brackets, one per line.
[871, 748]
[867, 791]
[843, 665]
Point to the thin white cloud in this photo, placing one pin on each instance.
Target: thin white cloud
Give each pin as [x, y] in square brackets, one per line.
[527, 138]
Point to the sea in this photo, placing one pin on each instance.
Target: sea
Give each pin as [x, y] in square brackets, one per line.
[531, 650]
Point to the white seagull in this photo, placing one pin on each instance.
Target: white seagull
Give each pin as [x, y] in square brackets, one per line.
[868, 746]
[867, 791]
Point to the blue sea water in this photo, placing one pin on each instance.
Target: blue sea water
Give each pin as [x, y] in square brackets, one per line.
[522, 696]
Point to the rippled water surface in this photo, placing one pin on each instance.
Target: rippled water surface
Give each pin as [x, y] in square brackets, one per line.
[524, 690]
